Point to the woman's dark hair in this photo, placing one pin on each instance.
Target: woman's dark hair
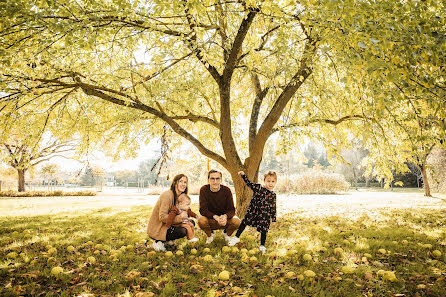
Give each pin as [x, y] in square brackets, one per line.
[174, 183]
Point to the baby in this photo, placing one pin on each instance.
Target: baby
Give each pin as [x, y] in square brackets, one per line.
[183, 205]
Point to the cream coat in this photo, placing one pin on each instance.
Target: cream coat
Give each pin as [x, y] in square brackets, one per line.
[156, 227]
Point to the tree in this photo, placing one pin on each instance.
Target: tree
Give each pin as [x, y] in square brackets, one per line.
[6, 176]
[122, 177]
[24, 155]
[396, 66]
[49, 170]
[92, 176]
[208, 65]
[88, 179]
[353, 163]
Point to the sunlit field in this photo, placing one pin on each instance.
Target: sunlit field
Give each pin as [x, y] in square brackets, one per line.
[356, 244]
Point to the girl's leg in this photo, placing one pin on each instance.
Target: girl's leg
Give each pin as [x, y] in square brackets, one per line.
[236, 239]
[189, 230]
[241, 228]
[263, 238]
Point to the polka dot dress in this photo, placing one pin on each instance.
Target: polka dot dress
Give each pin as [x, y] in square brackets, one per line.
[262, 207]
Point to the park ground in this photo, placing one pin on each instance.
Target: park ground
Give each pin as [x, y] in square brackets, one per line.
[359, 243]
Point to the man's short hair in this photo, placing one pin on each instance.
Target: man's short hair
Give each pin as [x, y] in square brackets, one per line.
[270, 173]
[214, 171]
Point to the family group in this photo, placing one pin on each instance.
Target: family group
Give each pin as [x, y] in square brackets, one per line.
[172, 217]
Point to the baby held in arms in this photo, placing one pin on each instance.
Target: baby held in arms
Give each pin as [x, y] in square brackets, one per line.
[183, 209]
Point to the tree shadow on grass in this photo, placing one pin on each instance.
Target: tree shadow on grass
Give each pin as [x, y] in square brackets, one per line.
[402, 241]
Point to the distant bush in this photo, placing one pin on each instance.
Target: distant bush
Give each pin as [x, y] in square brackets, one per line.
[45, 193]
[313, 182]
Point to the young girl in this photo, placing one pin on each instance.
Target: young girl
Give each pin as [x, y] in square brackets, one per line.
[261, 210]
[183, 206]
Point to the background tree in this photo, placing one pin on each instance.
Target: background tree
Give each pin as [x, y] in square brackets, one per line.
[93, 176]
[396, 66]
[88, 179]
[7, 177]
[353, 166]
[49, 171]
[123, 177]
[24, 155]
[99, 174]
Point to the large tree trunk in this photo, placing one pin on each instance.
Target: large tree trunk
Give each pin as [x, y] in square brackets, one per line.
[243, 195]
[242, 191]
[21, 181]
[427, 190]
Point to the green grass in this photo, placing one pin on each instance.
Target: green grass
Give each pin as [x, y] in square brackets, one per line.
[124, 267]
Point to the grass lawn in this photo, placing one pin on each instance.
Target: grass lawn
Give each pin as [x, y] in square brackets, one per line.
[358, 244]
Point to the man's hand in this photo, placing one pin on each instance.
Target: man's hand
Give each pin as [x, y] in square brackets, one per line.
[241, 173]
[183, 215]
[223, 220]
[220, 220]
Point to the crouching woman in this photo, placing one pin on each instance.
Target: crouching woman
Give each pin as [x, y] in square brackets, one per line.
[157, 228]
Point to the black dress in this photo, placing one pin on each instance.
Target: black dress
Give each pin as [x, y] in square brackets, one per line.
[262, 207]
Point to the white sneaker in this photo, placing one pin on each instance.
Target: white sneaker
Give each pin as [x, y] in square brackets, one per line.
[210, 239]
[193, 239]
[158, 246]
[234, 240]
[262, 248]
[227, 237]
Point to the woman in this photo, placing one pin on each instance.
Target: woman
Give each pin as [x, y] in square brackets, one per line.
[157, 228]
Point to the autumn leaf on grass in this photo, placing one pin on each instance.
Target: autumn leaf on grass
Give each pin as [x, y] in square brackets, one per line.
[31, 274]
[132, 274]
[195, 269]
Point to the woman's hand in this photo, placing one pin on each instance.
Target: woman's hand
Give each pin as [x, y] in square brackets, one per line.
[241, 173]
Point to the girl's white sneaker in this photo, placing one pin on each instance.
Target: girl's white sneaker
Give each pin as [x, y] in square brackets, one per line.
[193, 239]
[262, 248]
[234, 240]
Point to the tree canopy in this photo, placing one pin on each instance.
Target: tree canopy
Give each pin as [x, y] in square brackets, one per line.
[224, 75]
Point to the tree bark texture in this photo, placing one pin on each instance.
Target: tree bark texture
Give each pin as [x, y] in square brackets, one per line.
[427, 190]
[21, 179]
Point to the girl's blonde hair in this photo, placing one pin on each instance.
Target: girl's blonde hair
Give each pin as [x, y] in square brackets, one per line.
[270, 173]
[182, 197]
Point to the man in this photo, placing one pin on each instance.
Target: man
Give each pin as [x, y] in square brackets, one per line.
[217, 208]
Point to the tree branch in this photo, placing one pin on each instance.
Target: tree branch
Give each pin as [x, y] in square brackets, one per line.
[193, 45]
[237, 44]
[260, 95]
[273, 116]
[91, 91]
[222, 29]
[326, 121]
[196, 118]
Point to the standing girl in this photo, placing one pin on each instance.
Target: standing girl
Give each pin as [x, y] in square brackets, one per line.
[261, 210]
